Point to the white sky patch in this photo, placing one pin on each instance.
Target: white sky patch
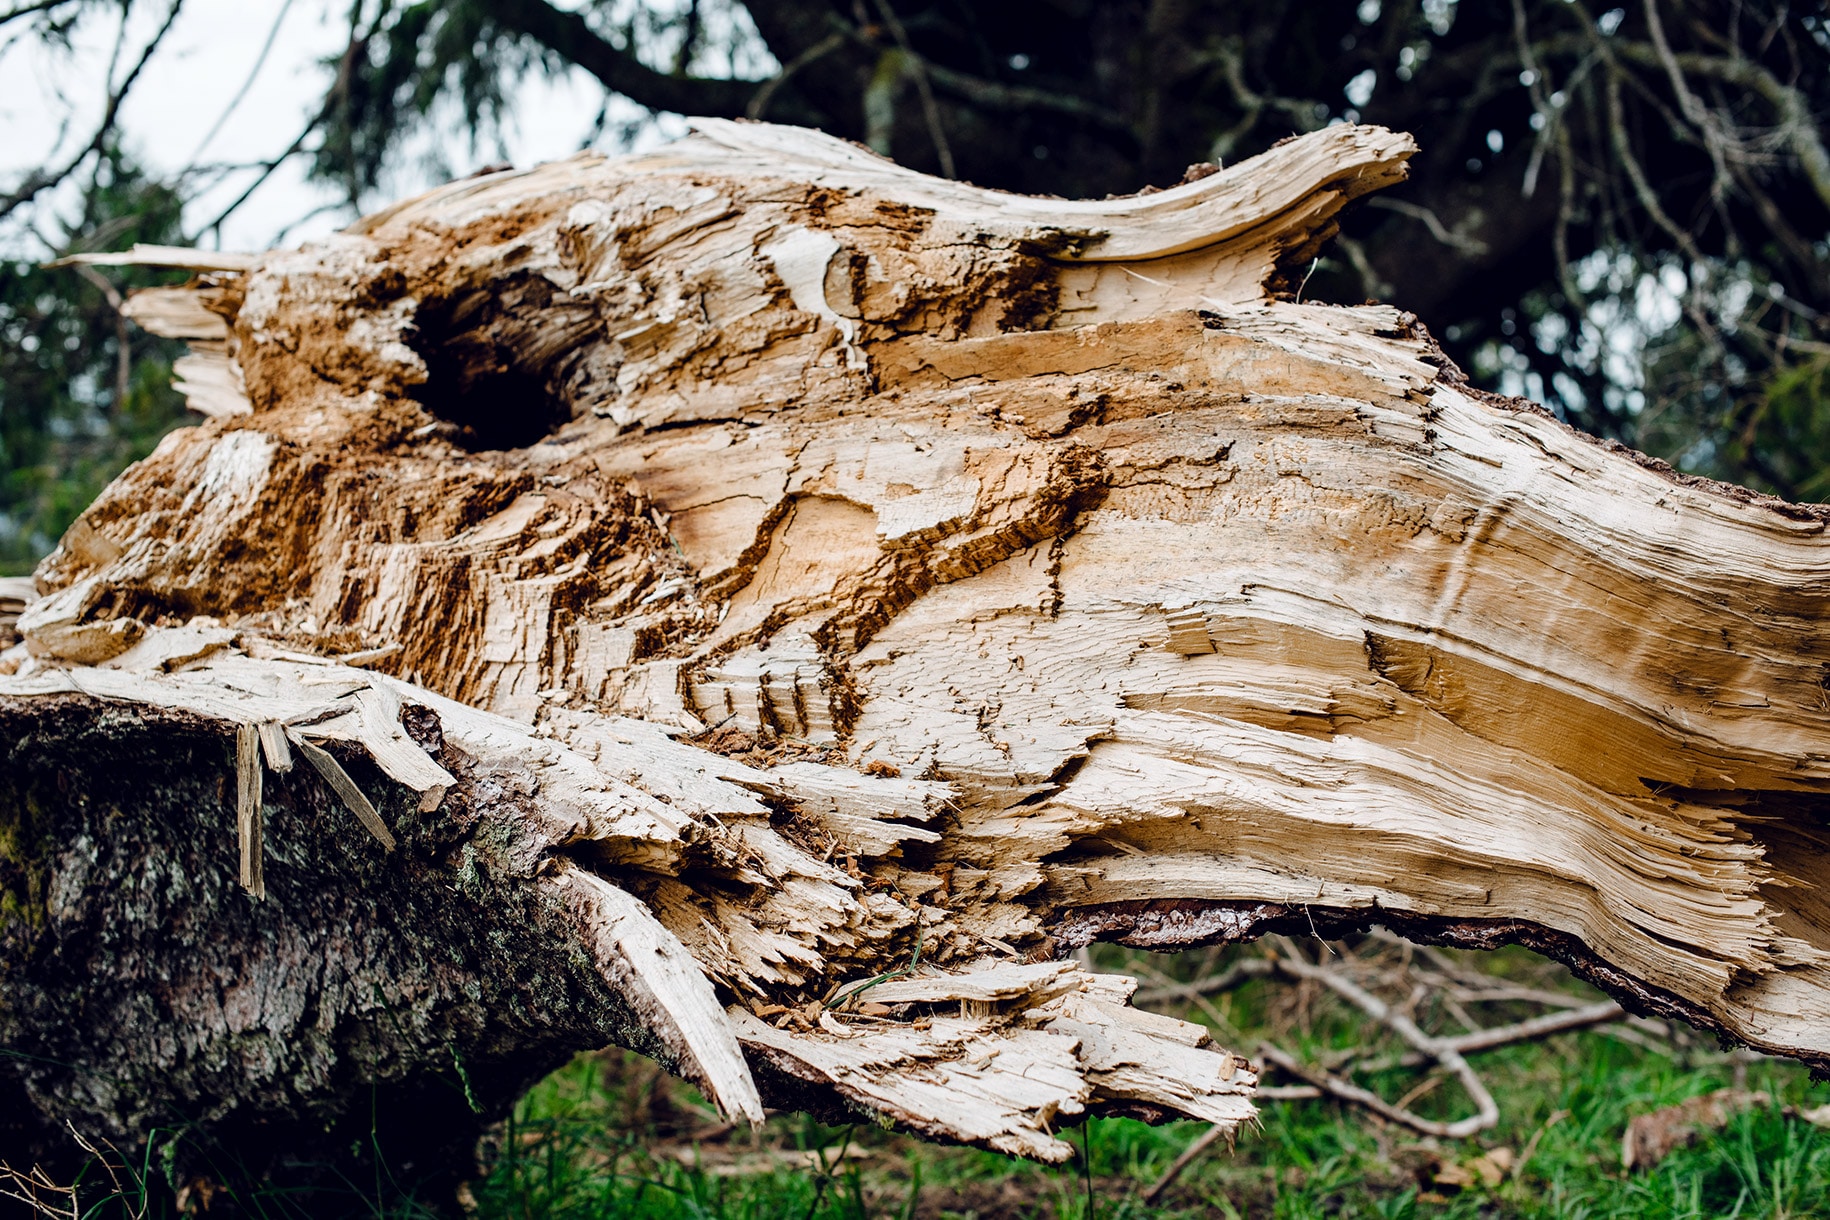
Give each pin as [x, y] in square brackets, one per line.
[1359, 90]
[51, 100]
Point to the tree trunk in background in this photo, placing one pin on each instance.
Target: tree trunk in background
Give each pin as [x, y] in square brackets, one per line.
[646, 601]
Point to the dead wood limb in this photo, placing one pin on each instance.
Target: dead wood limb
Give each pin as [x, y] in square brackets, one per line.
[1496, 1036]
[38, 1193]
[1366, 1099]
[1052, 575]
[1241, 971]
[1289, 961]
[1443, 1051]
[43, 1195]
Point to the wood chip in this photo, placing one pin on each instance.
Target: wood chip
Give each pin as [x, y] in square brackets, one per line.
[273, 745]
[248, 773]
[346, 790]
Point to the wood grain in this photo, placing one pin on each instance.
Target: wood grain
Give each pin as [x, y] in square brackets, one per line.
[846, 557]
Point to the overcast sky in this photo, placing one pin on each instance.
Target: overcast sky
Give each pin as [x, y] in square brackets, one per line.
[50, 101]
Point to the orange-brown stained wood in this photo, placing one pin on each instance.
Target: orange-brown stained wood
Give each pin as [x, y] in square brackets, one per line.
[1167, 593]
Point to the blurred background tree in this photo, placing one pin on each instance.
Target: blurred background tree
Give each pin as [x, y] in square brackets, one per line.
[82, 391]
[1623, 213]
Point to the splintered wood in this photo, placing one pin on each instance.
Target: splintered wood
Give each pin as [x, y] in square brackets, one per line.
[1054, 576]
[249, 776]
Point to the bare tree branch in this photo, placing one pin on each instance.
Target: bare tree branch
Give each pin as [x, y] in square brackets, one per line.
[267, 169]
[919, 70]
[568, 34]
[1642, 187]
[1017, 98]
[1442, 1050]
[1699, 115]
[27, 10]
[790, 28]
[39, 182]
[123, 354]
[1431, 221]
[759, 104]
[1606, 1012]
[1243, 970]
[1190, 1154]
[1801, 128]
[260, 61]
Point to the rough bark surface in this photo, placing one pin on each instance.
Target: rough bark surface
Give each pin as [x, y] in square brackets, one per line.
[646, 600]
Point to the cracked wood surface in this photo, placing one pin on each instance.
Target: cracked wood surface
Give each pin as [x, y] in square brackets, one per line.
[839, 565]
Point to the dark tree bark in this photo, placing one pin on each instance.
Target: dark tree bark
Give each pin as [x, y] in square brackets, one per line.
[361, 1001]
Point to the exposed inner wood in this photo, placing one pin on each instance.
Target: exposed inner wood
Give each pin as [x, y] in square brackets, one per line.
[1051, 574]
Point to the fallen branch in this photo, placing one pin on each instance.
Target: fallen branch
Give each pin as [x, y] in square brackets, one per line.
[1494, 1037]
[1440, 1050]
[1366, 1099]
[1448, 979]
[38, 1192]
[1242, 971]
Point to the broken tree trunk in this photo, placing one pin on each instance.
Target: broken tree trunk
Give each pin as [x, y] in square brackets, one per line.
[761, 606]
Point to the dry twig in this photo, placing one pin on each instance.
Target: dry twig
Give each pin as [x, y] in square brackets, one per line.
[37, 1191]
[1441, 1050]
[1425, 973]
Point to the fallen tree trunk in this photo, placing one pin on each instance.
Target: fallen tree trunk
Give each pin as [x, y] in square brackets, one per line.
[763, 607]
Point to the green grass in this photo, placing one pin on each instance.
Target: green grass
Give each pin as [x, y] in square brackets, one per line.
[608, 1136]
[611, 1136]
